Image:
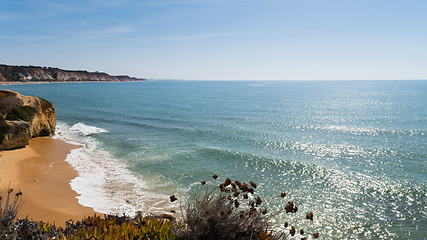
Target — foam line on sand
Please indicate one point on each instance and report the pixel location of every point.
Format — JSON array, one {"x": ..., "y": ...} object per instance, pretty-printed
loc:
[{"x": 42, "y": 174}]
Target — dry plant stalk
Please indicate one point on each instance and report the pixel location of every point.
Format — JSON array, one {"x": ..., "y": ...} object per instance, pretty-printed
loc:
[{"x": 9, "y": 209}]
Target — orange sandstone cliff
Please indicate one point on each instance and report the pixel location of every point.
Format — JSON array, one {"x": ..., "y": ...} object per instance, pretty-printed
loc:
[
  {"x": 22, "y": 118},
  {"x": 47, "y": 74}
]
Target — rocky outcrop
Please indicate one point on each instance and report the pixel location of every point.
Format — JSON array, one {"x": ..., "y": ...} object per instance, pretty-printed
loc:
[
  {"x": 47, "y": 74},
  {"x": 22, "y": 118},
  {"x": 2, "y": 78}
]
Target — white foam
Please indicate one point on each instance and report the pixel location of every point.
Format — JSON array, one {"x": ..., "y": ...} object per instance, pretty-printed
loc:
[
  {"x": 86, "y": 130},
  {"x": 104, "y": 182}
]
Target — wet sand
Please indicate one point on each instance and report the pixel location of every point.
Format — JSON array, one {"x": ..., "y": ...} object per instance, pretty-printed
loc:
[{"x": 42, "y": 174}]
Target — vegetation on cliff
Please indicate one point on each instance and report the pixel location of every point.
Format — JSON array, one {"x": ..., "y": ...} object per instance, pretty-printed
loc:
[
  {"x": 47, "y": 74},
  {"x": 4, "y": 128},
  {"x": 22, "y": 118}
]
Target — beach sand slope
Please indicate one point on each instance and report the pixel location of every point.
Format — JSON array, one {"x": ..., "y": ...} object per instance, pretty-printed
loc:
[{"x": 42, "y": 174}]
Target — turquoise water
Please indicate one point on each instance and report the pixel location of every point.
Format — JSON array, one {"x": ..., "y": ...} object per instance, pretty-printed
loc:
[{"x": 353, "y": 152}]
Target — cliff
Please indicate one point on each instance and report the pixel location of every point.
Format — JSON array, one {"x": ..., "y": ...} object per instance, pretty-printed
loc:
[
  {"x": 47, "y": 74},
  {"x": 22, "y": 118}
]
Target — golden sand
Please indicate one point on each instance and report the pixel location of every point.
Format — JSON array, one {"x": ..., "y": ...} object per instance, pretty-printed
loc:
[{"x": 42, "y": 174}]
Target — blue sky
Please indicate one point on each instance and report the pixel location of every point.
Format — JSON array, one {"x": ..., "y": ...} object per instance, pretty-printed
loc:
[{"x": 220, "y": 39}]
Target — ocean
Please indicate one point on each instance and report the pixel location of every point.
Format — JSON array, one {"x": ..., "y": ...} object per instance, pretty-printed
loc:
[{"x": 352, "y": 152}]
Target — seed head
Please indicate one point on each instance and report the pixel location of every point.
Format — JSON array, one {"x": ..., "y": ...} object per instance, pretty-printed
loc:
[
  {"x": 229, "y": 211},
  {"x": 214, "y": 176},
  {"x": 244, "y": 187},
  {"x": 283, "y": 194},
  {"x": 301, "y": 231},
  {"x": 291, "y": 208},
  {"x": 264, "y": 211},
  {"x": 253, "y": 184},
  {"x": 227, "y": 182},
  {"x": 245, "y": 196},
  {"x": 315, "y": 235},
  {"x": 309, "y": 216},
  {"x": 236, "y": 203},
  {"x": 258, "y": 201},
  {"x": 292, "y": 231},
  {"x": 203, "y": 182},
  {"x": 286, "y": 224},
  {"x": 173, "y": 198}
]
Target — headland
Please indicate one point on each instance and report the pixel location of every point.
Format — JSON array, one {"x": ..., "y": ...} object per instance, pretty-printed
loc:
[{"x": 36, "y": 74}]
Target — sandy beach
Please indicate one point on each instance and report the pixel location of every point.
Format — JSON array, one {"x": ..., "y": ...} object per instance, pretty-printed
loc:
[{"x": 42, "y": 174}]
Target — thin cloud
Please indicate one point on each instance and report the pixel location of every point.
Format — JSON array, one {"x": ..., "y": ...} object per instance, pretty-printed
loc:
[
  {"x": 108, "y": 31},
  {"x": 120, "y": 38},
  {"x": 28, "y": 37},
  {"x": 183, "y": 2},
  {"x": 188, "y": 37},
  {"x": 204, "y": 36}
]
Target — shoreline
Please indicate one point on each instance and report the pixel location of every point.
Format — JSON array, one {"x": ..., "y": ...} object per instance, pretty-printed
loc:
[
  {"x": 42, "y": 173},
  {"x": 43, "y": 82}
]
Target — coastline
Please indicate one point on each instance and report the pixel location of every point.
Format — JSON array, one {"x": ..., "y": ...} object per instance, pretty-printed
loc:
[
  {"x": 42, "y": 174},
  {"x": 43, "y": 82}
]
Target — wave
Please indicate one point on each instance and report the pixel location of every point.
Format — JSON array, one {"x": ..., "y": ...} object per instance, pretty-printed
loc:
[
  {"x": 104, "y": 182},
  {"x": 86, "y": 130}
]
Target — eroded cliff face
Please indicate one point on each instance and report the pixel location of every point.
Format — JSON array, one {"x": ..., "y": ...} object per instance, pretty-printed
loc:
[
  {"x": 44, "y": 74},
  {"x": 22, "y": 118}
]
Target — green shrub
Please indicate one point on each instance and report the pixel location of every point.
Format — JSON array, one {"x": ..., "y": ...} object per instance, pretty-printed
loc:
[
  {"x": 12, "y": 76},
  {"x": 4, "y": 127},
  {"x": 113, "y": 227},
  {"x": 20, "y": 113},
  {"x": 3, "y": 95}
]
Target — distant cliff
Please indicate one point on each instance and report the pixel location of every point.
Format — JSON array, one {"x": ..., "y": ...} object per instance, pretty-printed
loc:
[
  {"x": 47, "y": 74},
  {"x": 22, "y": 118}
]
